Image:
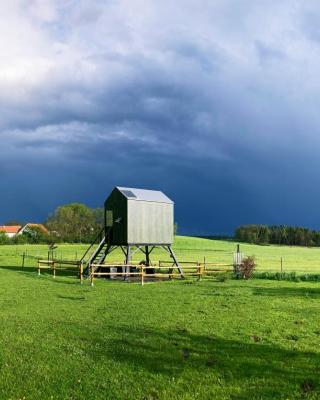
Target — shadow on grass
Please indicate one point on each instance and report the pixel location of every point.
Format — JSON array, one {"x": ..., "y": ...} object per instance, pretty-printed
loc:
[
  {"x": 18, "y": 268},
  {"x": 74, "y": 298},
  {"x": 256, "y": 370},
  {"x": 32, "y": 273},
  {"x": 287, "y": 292},
  {"x": 65, "y": 271}
]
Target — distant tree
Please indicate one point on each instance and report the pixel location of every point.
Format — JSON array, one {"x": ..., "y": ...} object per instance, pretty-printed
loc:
[
  {"x": 74, "y": 222},
  {"x": 33, "y": 234},
  {"x": 13, "y": 222},
  {"x": 4, "y": 238},
  {"x": 19, "y": 239},
  {"x": 99, "y": 217},
  {"x": 282, "y": 234},
  {"x": 263, "y": 234},
  {"x": 248, "y": 233}
]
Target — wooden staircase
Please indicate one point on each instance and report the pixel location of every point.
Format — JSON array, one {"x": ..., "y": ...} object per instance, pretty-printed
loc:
[{"x": 99, "y": 254}]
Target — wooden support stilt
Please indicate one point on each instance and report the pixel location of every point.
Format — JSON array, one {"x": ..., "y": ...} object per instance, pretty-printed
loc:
[
  {"x": 147, "y": 256},
  {"x": 199, "y": 271},
  {"x": 128, "y": 262},
  {"x": 175, "y": 261}
]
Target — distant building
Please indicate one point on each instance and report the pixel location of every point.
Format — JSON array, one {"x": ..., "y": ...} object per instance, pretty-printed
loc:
[
  {"x": 14, "y": 230},
  {"x": 10, "y": 231},
  {"x": 26, "y": 226}
]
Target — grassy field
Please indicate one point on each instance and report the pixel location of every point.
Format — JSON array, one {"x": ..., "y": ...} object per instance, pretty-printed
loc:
[
  {"x": 299, "y": 259},
  {"x": 228, "y": 340}
]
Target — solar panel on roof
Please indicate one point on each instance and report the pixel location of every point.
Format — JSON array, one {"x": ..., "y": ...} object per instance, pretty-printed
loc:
[
  {"x": 145, "y": 195},
  {"x": 128, "y": 193}
]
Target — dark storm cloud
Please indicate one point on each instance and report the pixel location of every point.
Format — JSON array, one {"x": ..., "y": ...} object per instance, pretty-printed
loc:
[{"x": 214, "y": 103}]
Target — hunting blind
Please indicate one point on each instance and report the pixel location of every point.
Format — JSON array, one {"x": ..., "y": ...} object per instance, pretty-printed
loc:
[
  {"x": 139, "y": 217},
  {"x": 136, "y": 220}
]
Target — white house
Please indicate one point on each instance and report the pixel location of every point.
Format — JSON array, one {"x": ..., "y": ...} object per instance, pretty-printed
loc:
[
  {"x": 14, "y": 230},
  {"x": 10, "y": 231}
]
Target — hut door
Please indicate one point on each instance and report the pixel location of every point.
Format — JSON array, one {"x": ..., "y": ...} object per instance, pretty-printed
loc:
[{"x": 109, "y": 218}]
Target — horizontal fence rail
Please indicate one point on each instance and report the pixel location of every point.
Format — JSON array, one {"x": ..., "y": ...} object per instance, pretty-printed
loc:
[
  {"x": 298, "y": 260},
  {"x": 143, "y": 271},
  {"x": 52, "y": 265}
]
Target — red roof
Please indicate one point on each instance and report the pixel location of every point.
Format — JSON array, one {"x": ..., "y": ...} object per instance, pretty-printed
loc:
[
  {"x": 10, "y": 229},
  {"x": 40, "y": 226}
]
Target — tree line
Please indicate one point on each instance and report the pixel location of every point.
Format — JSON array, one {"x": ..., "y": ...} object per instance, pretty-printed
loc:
[
  {"x": 278, "y": 234},
  {"x": 71, "y": 223}
]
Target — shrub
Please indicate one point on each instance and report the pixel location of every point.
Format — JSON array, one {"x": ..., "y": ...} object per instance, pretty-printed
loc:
[
  {"x": 35, "y": 235},
  {"x": 4, "y": 238},
  {"x": 247, "y": 267},
  {"x": 19, "y": 239},
  {"x": 222, "y": 277}
]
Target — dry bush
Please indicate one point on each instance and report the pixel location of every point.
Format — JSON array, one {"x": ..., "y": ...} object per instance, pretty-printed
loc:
[{"x": 247, "y": 267}]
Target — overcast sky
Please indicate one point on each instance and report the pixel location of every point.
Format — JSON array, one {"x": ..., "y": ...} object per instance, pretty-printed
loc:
[{"x": 215, "y": 102}]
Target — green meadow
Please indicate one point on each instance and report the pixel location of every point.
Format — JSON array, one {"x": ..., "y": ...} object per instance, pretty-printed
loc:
[
  {"x": 255, "y": 339},
  {"x": 298, "y": 259}
]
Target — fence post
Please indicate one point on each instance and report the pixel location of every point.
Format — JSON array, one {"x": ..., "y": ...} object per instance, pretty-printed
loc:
[
  {"x": 281, "y": 267},
  {"x": 23, "y": 256},
  {"x": 237, "y": 260},
  {"x": 38, "y": 267},
  {"x": 142, "y": 275},
  {"x": 91, "y": 275},
  {"x": 81, "y": 273},
  {"x": 54, "y": 269}
]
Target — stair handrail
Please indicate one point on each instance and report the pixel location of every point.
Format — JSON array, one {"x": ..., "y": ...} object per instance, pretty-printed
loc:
[{"x": 92, "y": 244}]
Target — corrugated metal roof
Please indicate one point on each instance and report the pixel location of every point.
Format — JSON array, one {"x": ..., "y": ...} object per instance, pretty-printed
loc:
[{"x": 144, "y": 195}]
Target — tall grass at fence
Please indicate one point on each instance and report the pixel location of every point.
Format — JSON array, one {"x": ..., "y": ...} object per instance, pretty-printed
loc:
[{"x": 288, "y": 276}]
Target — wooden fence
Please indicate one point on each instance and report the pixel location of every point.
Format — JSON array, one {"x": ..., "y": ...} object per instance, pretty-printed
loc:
[
  {"x": 161, "y": 270},
  {"x": 53, "y": 264}
]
